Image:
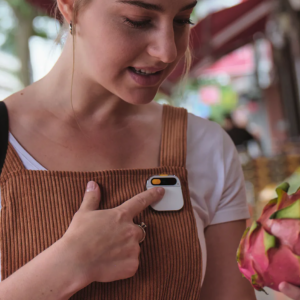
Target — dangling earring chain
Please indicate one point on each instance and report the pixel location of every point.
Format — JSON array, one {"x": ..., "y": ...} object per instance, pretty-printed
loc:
[{"x": 71, "y": 27}]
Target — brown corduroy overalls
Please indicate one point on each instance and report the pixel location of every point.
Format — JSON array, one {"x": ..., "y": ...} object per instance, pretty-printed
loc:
[{"x": 38, "y": 206}]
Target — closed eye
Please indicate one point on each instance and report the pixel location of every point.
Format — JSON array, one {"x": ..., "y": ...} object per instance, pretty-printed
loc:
[
  {"x": 143, "y": 24},
  {"x": 137, "y": 24},
  {"x": 185, "y": 22}
]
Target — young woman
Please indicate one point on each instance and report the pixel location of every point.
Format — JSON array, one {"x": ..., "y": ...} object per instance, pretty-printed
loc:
[{"x": 112, "y": 135}]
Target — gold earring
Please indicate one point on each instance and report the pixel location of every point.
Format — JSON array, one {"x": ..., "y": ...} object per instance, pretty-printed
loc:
[{"x": 71, "y": 27}]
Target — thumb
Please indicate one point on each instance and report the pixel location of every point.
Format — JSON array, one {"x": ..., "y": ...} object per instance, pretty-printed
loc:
[
  {"x": 91, "y": 199},
  {"x": 289, "y": 290}
]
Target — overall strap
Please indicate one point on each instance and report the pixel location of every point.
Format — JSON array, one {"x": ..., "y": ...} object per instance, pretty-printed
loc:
[
  {"x": 174, "y": 135},
  {"x": 3, "y": 133}
]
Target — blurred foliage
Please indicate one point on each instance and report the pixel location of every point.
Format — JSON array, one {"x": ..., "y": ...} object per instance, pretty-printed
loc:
[
  {"x": 17, "y": 26},
  {"x": 228, "y": 100},
  {"x": 11, "y": 11},
  {"x": 8, "y": 24},
  {"x": 23, "y": 8}
]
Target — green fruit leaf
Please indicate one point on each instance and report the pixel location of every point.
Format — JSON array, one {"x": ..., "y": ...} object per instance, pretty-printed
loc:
[
  {"x": 238, "y": 255},
  {"x": 254, "y": 279},
  {"x": 239, "y": 250},
  {"x": 253, "y": 227},
  {"x": 270, "y": 204},
  {"x": 245, "y": 232},
  {"x": 290, "y": 212},
  {"x": 281, "y": 192},
  {"x": 283, "y": 187},
  {"x": 269, "y": 241}
]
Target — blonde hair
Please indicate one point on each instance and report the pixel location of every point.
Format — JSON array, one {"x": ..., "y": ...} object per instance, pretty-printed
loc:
[
  {"x": 187, "y": 64},
  {"x": 78, "y": 4}
]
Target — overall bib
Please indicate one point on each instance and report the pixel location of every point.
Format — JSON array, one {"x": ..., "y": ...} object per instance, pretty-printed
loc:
[{"x": 38, "y": 206}]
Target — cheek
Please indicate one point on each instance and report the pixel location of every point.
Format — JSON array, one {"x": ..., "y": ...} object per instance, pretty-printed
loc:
[
  {"x": 100, "y": 50},
  {"x": 182, "y": 43}
]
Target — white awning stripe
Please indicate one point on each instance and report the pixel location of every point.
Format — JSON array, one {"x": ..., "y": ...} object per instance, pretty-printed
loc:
[{"x": 242, "y": 23}]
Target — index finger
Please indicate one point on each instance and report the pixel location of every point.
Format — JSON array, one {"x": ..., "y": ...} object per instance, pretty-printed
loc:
[{"x": 140, "y": 202}]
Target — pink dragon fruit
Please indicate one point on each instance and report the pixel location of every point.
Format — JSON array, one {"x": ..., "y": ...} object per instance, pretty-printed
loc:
[{"x": 269, "y": 251}]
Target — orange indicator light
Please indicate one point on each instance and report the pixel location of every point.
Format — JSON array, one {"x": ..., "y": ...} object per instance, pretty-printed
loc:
[{"x": 156, "y": 181}]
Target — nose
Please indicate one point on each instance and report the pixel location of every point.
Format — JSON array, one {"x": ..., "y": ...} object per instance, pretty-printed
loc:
[{"x": 163, "y": 46}]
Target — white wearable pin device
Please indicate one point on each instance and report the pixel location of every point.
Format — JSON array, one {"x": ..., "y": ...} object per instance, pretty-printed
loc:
[{"x": 173, "y": 198}]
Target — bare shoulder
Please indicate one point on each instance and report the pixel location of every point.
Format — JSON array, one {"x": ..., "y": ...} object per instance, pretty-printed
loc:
[
  {"x": 23, "y": 111},
  {"x": 20, "y": 102},
  {"x": 13, "y": 101}
]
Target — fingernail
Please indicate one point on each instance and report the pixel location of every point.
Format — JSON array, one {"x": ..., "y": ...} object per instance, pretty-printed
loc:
[
  {"x": 91, "y": 186},
  {"x": 160, "y": 191}
]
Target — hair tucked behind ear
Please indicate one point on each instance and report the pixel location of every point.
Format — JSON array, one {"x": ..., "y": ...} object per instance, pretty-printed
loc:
[
  {"x": 77, "y": 5},
  {"x": 185, "y": 76},
  {"x": 187, "y": 63}
]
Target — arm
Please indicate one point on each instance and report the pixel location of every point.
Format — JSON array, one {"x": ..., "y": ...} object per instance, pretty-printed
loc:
[
  {"x": 223, "y": 281},
  {"x": 86, "y": 253},
  {"x": 50, "y": 275}
]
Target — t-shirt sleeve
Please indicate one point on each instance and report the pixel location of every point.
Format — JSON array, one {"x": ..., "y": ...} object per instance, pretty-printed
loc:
[{"x": 232, "y": 205}]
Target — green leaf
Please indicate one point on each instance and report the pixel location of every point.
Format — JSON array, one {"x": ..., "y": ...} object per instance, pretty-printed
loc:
[
  {"x": 269, "y": 241},
  {"x": 238, "y": 253},
  {"x": 256, "y": 285},
  {"x": 283, "y": 187},
  {"x": 281, "y": 192},
  {"x": 290, "y": 212},
  {"x": 253, "y": 227},
  {"x": 270, "y": 204}
]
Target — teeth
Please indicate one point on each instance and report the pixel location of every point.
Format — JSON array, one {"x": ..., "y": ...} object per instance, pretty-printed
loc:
[{"x": 144, "y": 72}]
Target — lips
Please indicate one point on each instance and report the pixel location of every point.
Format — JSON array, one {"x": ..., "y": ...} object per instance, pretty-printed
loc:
[
  {"x": 145, "y": 70},
  {"x": 142, "y": 71},
  {"x": 146, "y": 76}
]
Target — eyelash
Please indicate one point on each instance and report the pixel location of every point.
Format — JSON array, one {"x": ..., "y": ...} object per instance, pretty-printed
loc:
[{"x": 143, "y": 24}]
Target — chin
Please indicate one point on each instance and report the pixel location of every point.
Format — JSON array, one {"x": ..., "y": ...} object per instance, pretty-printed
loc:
[{"x": 140, "y": 96}]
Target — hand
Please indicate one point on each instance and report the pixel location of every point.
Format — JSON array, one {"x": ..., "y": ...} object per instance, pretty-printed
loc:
[
  {"x": 290, "y": 290},
  {"x": 104, "y": 244}
]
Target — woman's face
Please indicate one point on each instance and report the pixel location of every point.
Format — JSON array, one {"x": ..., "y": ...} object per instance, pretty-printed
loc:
[{"x": 129, "y": 47}]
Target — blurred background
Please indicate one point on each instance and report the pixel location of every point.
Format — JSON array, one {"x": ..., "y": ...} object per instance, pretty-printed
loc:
[{"x": 245, "y": 75}]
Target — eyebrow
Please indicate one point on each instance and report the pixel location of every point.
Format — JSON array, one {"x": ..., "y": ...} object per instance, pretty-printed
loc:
[{"x": 155, "y": 7}]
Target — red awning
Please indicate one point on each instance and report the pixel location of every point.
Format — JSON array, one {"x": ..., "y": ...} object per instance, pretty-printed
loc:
[{"x": 222, "y": 32}]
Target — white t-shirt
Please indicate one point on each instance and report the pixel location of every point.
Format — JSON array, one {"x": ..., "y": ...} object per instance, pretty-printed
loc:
[{"x": 215, "y": 177}]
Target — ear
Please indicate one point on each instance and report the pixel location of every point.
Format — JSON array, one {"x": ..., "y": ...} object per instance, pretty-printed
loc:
[{"x": 66, "y": 8}]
